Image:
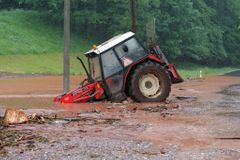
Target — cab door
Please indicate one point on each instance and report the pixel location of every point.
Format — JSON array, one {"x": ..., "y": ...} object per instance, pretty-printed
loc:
[{"x": 112, "y": 73}]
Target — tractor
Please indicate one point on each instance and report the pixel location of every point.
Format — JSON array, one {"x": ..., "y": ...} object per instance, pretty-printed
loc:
[{"x": 121, "y": 67}]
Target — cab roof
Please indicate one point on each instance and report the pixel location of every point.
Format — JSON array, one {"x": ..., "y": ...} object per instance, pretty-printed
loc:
[{"x": 111, "y": 43}]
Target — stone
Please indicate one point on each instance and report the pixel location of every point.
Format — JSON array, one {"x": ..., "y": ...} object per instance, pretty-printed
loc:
[
  {"x": 34, "y": 116},
  {"x": 14, "y": 116},
  {"x": 125, "y": 102}
]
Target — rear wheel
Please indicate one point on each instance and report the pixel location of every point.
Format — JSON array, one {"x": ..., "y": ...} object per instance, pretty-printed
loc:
[{"x": 149, "y": 83}]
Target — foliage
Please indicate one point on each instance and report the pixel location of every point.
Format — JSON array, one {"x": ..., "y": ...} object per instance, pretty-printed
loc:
[
  {"x": 200, "y": 31},
  {"x": 9, "y": 4}
]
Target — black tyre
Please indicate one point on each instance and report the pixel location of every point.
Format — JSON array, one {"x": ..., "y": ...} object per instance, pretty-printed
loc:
[{"x": 149, "y": 82}]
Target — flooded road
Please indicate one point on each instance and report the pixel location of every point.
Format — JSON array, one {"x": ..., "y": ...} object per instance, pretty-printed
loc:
[{"x": 203, "y": 127}]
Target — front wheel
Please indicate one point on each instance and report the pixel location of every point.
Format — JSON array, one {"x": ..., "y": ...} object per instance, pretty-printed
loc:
[{"x": 149, "y": 83}]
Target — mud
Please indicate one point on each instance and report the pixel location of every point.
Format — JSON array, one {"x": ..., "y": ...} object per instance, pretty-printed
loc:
[
  {"x": 205, "y": 127},
  {"x": 7, "y": 75}
]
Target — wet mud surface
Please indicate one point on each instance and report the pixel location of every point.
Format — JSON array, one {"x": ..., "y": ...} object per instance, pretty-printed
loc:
[
  {"x": 7, "y": 75},
  {"x": 200, "y": 120}
]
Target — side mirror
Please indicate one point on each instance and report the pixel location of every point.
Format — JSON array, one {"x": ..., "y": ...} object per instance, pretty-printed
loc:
[{"x": 125, "y": 48}]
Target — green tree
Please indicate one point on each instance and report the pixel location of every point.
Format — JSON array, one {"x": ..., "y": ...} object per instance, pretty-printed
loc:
[{"x": 202, "y": 31}]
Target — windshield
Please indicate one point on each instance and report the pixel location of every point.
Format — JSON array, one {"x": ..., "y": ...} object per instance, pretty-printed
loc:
[
  {"x": 95, "y": 69},
  {"x": 130, "y": 51}
]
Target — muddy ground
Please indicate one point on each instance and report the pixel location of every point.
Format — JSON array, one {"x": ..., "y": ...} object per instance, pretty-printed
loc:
[{"x": 200, "y": 120}]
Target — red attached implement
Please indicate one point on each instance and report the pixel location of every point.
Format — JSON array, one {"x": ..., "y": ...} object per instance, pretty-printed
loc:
[{"x": 82, "y": 94}]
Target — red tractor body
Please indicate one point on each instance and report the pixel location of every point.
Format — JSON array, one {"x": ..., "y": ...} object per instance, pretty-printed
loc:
[{"x": 122, "y": 67}]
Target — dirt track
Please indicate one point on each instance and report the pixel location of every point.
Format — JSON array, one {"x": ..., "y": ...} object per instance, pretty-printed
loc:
[{"x": 206, "y": 126}]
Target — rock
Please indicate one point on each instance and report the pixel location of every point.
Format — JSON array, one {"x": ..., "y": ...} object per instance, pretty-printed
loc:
[
  {"x": 14, "y": 116},
  {"x": 125, "y": 102},
  {"x": 172, "y": 106},
  {"x": 96, "y": 111},
  {"x": 34, "y": 116},
  {"x": 42, "y": 119}
]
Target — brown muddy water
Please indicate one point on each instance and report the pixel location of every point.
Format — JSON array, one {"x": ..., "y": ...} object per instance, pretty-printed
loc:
[{"x": 203, "y": 127}]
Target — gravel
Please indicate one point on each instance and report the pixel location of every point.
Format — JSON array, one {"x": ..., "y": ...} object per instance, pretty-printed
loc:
[{"x": 95, "y": 148}]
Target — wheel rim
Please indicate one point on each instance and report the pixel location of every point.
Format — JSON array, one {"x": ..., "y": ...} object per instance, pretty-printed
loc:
[{"x": 150, "y": 86}]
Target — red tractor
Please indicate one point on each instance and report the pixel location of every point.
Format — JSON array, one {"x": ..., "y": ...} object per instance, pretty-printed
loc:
[{"x": 122, "y": 67}]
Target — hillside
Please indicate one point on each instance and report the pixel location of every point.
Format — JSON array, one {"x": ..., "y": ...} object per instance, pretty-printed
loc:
[
  {"x": 30, "y": 44},
  {"x": 24, "y": 32}
]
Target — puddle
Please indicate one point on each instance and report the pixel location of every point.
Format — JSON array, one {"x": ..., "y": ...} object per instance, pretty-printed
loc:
[
  {"x": 85, "y": 119},
  {"x": 60, "y": 121},
  {"x": 161, "y": 109},
  {"x": 233, "y": 90},
  {"x": 187, "y": 98},
  {"x": 230, "y": 114}
]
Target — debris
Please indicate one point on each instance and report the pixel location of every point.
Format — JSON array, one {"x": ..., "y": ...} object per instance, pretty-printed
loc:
[
  {"x": 155, "y": 108},
  {"x": 96, "y": 111},
  {"x": 195, "y": 79},
  {"x": 94, "y": 156},
  {"x": 34, "y": 115},
  {"x": 125, "y": 102},
  {"x": 14, "y": 116},
  {"x": 42, "y": 119},
  {"x": 181, "y": 89},
  {"x": 68, "y": 147},
  {"x": 187, "y": 98},
  {"x": 97, "y": 130},
  {"x": 12, "y": 138},
  {"x": 162, "y": 151},
  {"x": 60, "y": 121},
  {"x": 109, "y": 107},
  {"x": 63, "y": 114},
  {"x": 82, "y": 131},
  {"x": 34, "y": 118},
  {"x": 172, "y": 106},
  {"x": 3, "y": 152},
  {"x": 229, "y": 138}
]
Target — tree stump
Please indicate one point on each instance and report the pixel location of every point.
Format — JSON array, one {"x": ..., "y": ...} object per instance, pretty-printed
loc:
[{"x": 14, "y": 116}]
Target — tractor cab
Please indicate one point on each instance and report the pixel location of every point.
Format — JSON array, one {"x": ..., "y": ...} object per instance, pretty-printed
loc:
[
  {"x": 122, "y": 67},
  {"x": 109, "y": 62}
]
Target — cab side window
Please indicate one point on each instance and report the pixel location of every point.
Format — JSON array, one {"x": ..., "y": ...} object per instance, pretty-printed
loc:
[
  {"x": 110, "y": 64},
  {"x": 130, "y": 51}
]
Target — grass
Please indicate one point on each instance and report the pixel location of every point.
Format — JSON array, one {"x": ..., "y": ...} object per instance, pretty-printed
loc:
[
  {"x": 53, "y": 64},
  {"x": 29, "y": 32},
  {"x": 38, "y": 63},
  {"x": 206, "y": 71},
  {"x": 187, "y": 69},
  {"x": 29, "y": 43}
]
